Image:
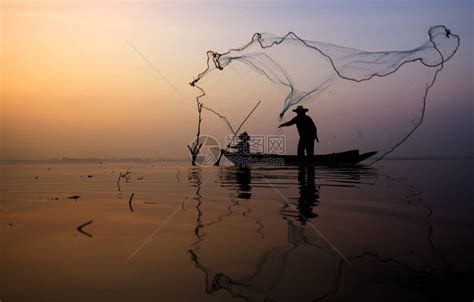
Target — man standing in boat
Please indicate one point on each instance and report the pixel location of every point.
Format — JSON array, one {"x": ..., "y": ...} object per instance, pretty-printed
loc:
[{"x": 306, "y": 129}]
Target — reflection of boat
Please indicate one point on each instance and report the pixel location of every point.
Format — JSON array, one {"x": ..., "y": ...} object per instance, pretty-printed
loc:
[
  {"x": 350, "y": 157},
  {"x": 238, "y": 179}
]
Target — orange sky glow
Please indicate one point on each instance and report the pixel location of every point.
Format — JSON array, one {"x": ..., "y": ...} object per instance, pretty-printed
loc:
[{"x": 71, "y": 86}]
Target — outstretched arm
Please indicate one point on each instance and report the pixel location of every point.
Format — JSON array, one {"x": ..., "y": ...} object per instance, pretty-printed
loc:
[{"x": 289, "y": 123}]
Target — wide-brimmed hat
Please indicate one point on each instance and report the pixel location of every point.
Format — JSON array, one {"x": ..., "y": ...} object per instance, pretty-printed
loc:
[{"x": 300, "y": 109}]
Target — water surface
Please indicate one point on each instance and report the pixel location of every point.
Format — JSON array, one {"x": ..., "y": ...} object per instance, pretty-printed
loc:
[{"x": 399, "y": 231}]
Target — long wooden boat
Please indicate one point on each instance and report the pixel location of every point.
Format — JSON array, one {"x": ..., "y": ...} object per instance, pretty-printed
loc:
[{"x": 351, "y": 157}]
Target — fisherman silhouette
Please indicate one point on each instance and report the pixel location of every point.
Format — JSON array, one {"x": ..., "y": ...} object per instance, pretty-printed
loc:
[
  {"x": 243, "y": 146},
  {"x": 306, "y": 129}
]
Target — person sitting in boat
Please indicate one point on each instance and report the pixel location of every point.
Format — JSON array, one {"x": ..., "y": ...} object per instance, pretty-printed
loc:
[
  {"x": 306, "y": 129},
  {"x": 243, "y": 146}
]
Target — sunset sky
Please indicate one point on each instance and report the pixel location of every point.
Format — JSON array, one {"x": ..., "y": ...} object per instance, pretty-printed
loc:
[{"x": 71, "y": 85}]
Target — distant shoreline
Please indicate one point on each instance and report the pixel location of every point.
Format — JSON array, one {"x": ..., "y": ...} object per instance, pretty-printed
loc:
[
  {"x": 88, "y": 161},
  {"x": 160, "y": 160}
]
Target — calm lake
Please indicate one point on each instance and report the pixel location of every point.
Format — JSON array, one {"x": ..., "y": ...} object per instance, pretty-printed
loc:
[{"x": 401, "y": 230}]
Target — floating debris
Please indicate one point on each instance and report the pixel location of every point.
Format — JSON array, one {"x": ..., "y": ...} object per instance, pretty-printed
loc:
[
  {"x": 89, "y": 176},
  {"x": 124, "y": 175},
  {"x": 140, "y": 178},
  {"x": 130, "y": 202},
  {"x": 75, "y": 197},
  {"x": 79, "y": 228}
]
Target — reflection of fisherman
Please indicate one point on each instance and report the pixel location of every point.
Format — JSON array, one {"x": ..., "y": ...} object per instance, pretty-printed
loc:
[
  {"x": 306, "y": 129},
  {"x": 243, "y": 146},
  {"x": 309, "y": 193}
]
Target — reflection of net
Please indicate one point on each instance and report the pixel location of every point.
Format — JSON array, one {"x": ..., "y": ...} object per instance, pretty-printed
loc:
[
  {"x": 258, "y": 285},
  {"x": 273, "y": 57},
  {"x": 367, "y": 270},
  {"x": 254, "y": 287}
]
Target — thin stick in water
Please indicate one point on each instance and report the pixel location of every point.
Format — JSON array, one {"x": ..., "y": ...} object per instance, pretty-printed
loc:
[
  {"x": 118, "y": 181},
  {"x": 130, "y": 202},
  {"x": 79, "y": 228}
]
